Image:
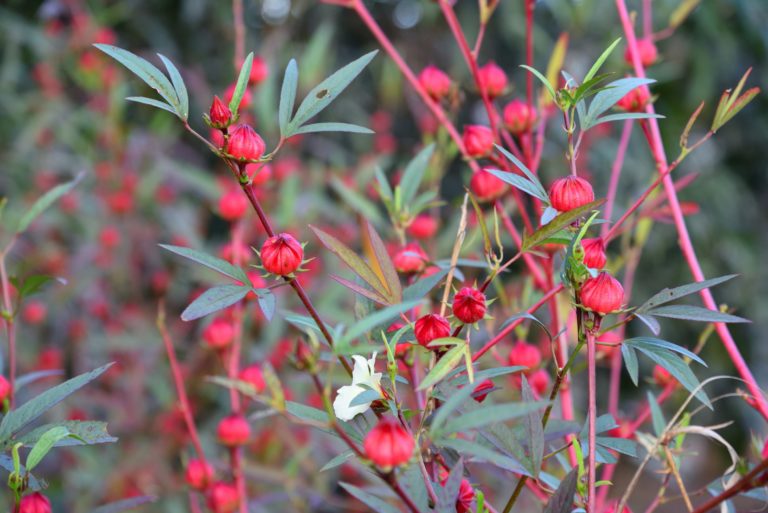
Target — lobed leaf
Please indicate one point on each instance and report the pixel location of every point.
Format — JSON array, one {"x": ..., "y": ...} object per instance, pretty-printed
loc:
[{"x": 562, "y": 500}]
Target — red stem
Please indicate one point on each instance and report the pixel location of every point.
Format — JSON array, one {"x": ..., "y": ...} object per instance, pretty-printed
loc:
[
  {"x": 684, "y": 239},
  {"x": 10, "y": 325}
]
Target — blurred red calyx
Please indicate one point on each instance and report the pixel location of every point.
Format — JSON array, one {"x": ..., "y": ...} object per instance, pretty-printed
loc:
[
  {"x": 519, "y": 117},
  {"x": 478, "y": 140},
  {"x": 431, "y": 327},
  {"x": 435, "y": 82},
  {"x": 388, "y": 444},
  {"x": 233, "y": 430},
  {"x": 198, "y": 474}
]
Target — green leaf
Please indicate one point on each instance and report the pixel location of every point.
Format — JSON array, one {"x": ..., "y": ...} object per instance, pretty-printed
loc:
[
  {"x": 125, "y": 504},
  {"x": 211, "y": 262},
  {"x": 19, "y": 418},
  {"x": 178, "y": 86},
  {"x": 526, "y": 315},
  {"x": 422, "y": 287},
  {"x": 608, "y": 97},
  {"x": 558, "y": 223},
  {"x": 380, "y": 262},
  {"x": 339, "y": 459},
  {"x": 455, "y": 399},
  {"x": 33, "y": 284},
  {"x": 667, "y": 295},
  {"x": 443, "y": 366},
  {"x": 694, "y": 313},
  {"x": 152, "y": 103},
  {"x": 600, "y": 61},
  {"x": 491, "y": 413},
  {"x": 369, "y": 500},
  {"x": 527, "y": 172},
  {"x": 449, "y": 491},
  {"x": 414, "y": 173},
  {"x": 143, "y": 69},
  {"x": 533, "y": 430},
  {"x": 31, "y": 377},
  {"x": 85, "y": 432},
  {"x": 44, "y": 444},
  {"x": 624, "y": 116},
  {"x": 365, "y": 397},
  {"x": 332, "y": 127},
  {"x": 630, "y": 362},
  {"x": 518, "y": 182},
  {"x": 483, "y": 453},
  {"x": 326, "y": 91},
  {"x": 45, "y": 201},
  {"x": 542, "y": 79},
  {"x": 377, "y": 318},
  {"x": 242, "y": 84},
  {"x": 657, "y": 417},
  {"x": 267, "y": 303},
  {"x": 213, "y": 300},
  {"x": 562, "y": 500},
  {"x": 489, "y": 373},
  {"x": 659, "y": 344},
  {"x": 359, "y": 289},
  {"x": 352, "y": 261},
  {"x": 288, "y": 96}
]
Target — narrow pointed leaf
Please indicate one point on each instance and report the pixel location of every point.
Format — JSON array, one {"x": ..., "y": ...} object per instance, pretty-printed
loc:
[
  {"x": 518, "y": 182},
  {"x": 44, "y": 444},
  {"x": 45, "y": 201},
  {"x": 373, "y": 502},
  {"x": 152, "y": 103},
  {"x": 19, "y": 418},
  {"x": 332, "y": 127},
  {"x": 374, "y": 320},
  {"x": 600, "y": 61},
  {"x": 359, "y": 289},
  {"x": 211, "y": 262},
  {"x": 492, "y": 413},
  {"x": 380, "y": 262},
  {"x": 527, "y": 172},
  {"x": 288, "y": 96},
  {"x": 694, "y": 313},
  {"x": 178, "y": 86},
  {"x": 241, "y": 85},
  {"x": 352, "y": 261},
  {"x": 267, "y": 303},
  {"x": 414, "y": 173},
  {"x": 213, "y": 300},
  {"x": 143, "y": 69},
  {"x": 542, "y": 79},
  {"x": 328, "y": 90},
  {"x": 557, "y": 224},
  {"x": 483, "y": 453},
  {"x": 667, "y": 295},
  {"x": 562, "y": 500},
  {"x": 422, "y": 287},
  {"x": 443, "y": 366}
]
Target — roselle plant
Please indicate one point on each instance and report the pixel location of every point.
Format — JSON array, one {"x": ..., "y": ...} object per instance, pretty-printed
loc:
[{"x": 451, "y": 360}]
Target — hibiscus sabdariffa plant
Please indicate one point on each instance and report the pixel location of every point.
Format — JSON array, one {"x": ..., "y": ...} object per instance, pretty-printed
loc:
[{"x": 425, "y": 416}]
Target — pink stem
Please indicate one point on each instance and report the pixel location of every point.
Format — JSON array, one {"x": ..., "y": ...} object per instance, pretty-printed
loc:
[
  {"x": 10, "y": 325},
  {"x": 618, "y": 164},
  {"x": 592, "y": 416},
  {"x": 657, "y": 148}
]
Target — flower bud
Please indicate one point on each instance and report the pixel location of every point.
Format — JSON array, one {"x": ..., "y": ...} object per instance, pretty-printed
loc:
[
  {"x": 526, "y": 355},
  {"x": 423, "y": 226},
  {"x": 388, "y": 444},
  {"x": 492, "y": 79},
  {"x": 35, "y": 502},
  {"x": 254, "y": 377},
  {"x": 486, "y": 187},
  {"x": 478, "y": 140},
  {"x": 635, "y": 100},
  {"x": 233, "y": 430},
  {"x": 410, "y": 259},
  {"x": 220, "y": 115},
  {"x": 198, "y": 474},
  {"x": 602, "y": 295},
  {"x": 233, "y": 205},
  {"x": 647, "y": 50},
  {"x": 539, "y": 382},
  {"x": 482, "y": 390},
  {"x": 469, "y": 305},
  {"x": 435, "y": 82},
  {"x": 282, "y": 254},
  {"x": 245, "y": 144},
  {"x": 431, "y": 327},
  {"x": 223, "y": 498},
  {"x": 570, "y": 192},
  {"x": 594, "y": 253},
  {"x": 518, "y": 117},
  {"x": 219, "y": 333}
]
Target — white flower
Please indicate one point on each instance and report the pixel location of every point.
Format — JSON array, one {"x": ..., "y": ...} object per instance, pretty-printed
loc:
[{"x": 362, "y": 374}]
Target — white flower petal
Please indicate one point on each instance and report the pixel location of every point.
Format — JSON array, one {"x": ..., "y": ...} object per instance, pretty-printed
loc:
[{"x": 341, "y": 405}]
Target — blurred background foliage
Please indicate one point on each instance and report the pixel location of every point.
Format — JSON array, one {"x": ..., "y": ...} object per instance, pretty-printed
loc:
[{"x": 146, "y": 181}]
